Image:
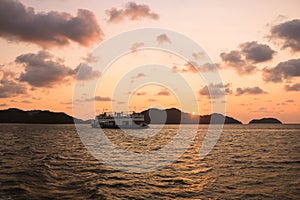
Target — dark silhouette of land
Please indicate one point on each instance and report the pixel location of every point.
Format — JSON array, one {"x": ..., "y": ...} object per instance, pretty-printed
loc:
[
  {"x": 14, "y": 115},
  {"x": 175, "y": 116},
  {"x": 152, "y": 116},
  {"x": 265, "y": 121}
]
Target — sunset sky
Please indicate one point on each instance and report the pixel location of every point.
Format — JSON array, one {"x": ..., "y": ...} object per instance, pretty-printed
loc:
[{"x": 254, "y": 44}]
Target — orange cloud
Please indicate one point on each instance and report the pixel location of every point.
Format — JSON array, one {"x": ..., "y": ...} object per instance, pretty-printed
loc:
[{"x": 163, "y": 92}]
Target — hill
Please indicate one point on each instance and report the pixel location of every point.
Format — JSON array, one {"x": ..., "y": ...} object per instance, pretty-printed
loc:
[
  {"x": 152, "y": 115},
  {"x": 14, "y": 115},
  {"x": 265, "y": 121},
  {"x": 175, "y": 116}
]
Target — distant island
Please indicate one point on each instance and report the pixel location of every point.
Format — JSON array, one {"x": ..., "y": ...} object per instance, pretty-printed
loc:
[
  {"x": 14, "y": 115},
  {"x": 152, "y": 116},
  {"x": 265, "y": 121},
  {"x": 172, "y": 116},
  {"x": 175, "y": 116}
]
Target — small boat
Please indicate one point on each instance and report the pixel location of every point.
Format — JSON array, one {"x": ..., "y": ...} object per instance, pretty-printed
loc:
[{"x": 120, "y": 120}]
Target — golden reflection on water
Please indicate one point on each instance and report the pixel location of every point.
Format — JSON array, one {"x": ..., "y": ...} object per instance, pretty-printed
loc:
[{"x": 248, "y": 162}]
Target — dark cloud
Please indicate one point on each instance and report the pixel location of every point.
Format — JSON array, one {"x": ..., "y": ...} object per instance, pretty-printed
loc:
[
  {"x": 256, "y": 52},
  {"x": 41, "y": 70},
  {"x": 249, "y": 90},
  {"x": 44, "y": 70},
  {"x": 250, "y": 53},
  {"x": 163, "y": 38},
  {"x": 234, "y": 60},
  {"x": 3, "y": 104},
  {"x": 215, "y": 91},
  {"x": 132, "y": 11},
  {"x": 233, "y": 57},
  {"x": 20, "y": 23},
  {"x": 8, "y": 86},
  {"x": 86, "y": 72},
  {"x": 295, "y": 87},
  {"x": 289, "y": 33},
  {"x": 284, "y": 70}
]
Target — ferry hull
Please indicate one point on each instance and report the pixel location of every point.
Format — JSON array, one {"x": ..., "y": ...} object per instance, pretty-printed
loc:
[
  {"x": 120, "y": 127},
  {"x": 124, "y": 127}
]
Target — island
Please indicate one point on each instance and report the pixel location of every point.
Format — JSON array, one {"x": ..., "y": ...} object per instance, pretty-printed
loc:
[
  {"x": 152, "y": 116},
  {"x": 175, "y": 116},
  {"x": 269, "y": 120},
  {"x": 15, "y": 115}
]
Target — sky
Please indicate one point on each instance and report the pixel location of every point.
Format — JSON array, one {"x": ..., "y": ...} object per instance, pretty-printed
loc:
[{"x": 49, "y": 52}]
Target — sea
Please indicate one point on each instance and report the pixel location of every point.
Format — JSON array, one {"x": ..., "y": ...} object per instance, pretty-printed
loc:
[{"x": 258, "y": 161}]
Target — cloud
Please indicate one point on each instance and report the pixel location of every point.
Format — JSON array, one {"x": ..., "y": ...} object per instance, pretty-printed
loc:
[
  {"x": 48, "y": 29},
  {"x": 90, "y": 58},
  {"x": 163, "y": 38},
  {"x": 215, "y": 91},
  {"x": 256, "y": 52},
  {"x": 193, "y": 67},
  {"x": 284, "y": 70},
  {"x": 86, "y": 72},
  {"x": 132, "y": 11},
  {"x": 295, "y": 87},
  {"x": 234, "y": 60},
  {"x": 289, "y": 33},
  {"x": 208, "y": 67},
  {"x": 26, "y": 101},
  {"x": 8, "y": 86},
  {"x": 233, "y": 57},
  {"x": 3, "y": 104},
  {"x": 41, "y": 70},
  {"x": 136, "y": 45},
  {"x": 249, "y": 90},
  {"x": 152, "y": 100},
  {"x": 289, "y": 101},
  {"x": 198, "y": 55},
  {"x": 140, "y": 93},
  {"x": 98, "y": 98},
  {"x": 139, "y": 75},
  {"x": 250, "y": 53},
  {"x": 163, "y": 92},
  {"x": 67, "y": 103}
]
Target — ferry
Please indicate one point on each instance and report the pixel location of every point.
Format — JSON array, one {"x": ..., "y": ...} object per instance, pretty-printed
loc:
[{"x": 122, "y": 120}]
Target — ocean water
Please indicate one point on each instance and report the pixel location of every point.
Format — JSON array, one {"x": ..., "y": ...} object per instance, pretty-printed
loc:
[{"x": 248, "y": 162}]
